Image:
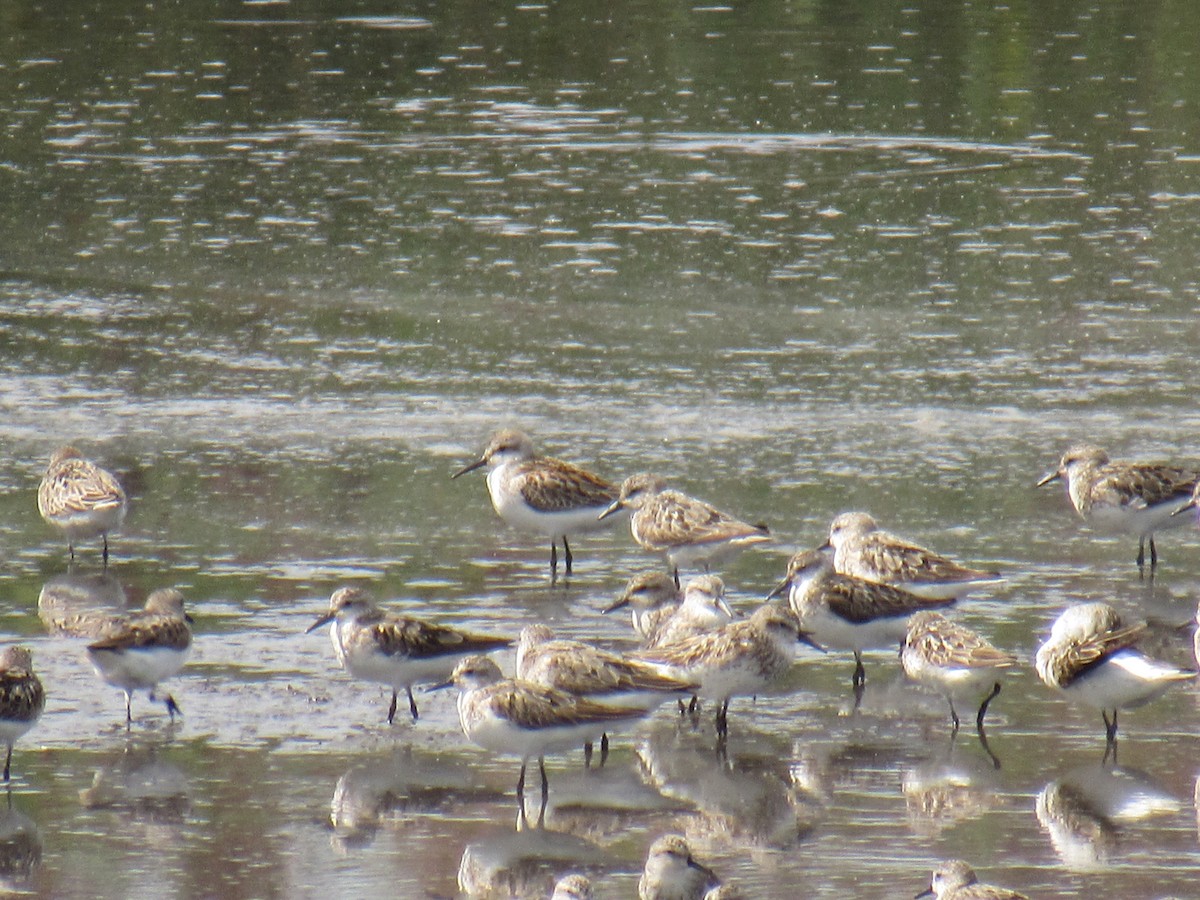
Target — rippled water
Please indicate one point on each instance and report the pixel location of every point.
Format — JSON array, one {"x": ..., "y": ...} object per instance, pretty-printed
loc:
[{"x": 284, "y": 266}]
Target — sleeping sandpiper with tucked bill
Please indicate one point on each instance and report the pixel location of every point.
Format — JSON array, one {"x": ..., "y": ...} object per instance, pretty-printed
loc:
[
  {"x": 1124, "y": 497},
  {"x": 848, "y": 613},
  {"x": 507, "y": 715},
  {"x": 862, "y": 549},
  {"x": 80, "y": 498},
  {"x": 954, "y": 661},
  {"x": 541, "y": 494},
  {"x": 22, "y": 698},
  {"x": 687, "y": 531},
  {"x": 139, "y": 650},
  {"x": 1092, "y": 659},
  {"x": 583, "y": 670},
  {"x": 398, "y": 651}
]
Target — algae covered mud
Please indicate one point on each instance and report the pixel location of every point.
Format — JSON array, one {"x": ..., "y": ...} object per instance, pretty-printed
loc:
[{"x": 283, "y": 268}]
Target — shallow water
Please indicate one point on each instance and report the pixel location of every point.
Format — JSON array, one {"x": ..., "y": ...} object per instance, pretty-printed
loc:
[{"x": 284, "y": 266}]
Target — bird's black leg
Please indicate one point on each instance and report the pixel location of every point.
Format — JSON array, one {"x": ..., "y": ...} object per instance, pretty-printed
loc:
[
  {"x": 553, "y": 561},
  {"x": 983, "y": 707},
  {"x": 392, "y": 708},
  {"x": 954, "y": 717},
  {"x": 567, "y": 554},
  {"x": 8, "y": 762},
  {"x": 541, "y": 819},
  {"x": 1141, "y": 560},
  {"x": 1110, "y": 728},
  {"x": 603, "y": 749},
  {"x": 587, "y": 755},
  {"x": 106, "y": 551},
  {"x": 173, "y": 707},
  {"x": 128, "y": 710},
  {"x": 412, "y": 703},
  {"x": 1153, "y": 553},
  {"x": 677, "y": 578},
  {"x": 860, "y": 674}
]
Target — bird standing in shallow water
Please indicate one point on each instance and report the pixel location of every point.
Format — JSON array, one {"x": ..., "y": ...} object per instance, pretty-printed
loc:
[
  {"x": 80, "y": 498},
  {"x": 1123, "y": 497},
  {"x": 541, "y": 494},
  {"x": 398, "y": 651},
  {"x": 22, "y": 698},
  {"x": 140, "y": 650},
  {"x": 687, "y": 531}
]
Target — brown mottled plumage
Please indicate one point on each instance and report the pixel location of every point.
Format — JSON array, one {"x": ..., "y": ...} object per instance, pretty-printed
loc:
[
  {"x": 80, "y": 498},
  {"x": 22, "y": 698}
]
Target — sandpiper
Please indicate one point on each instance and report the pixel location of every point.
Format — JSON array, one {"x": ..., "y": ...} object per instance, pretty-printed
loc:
[
  {"x": 954, "y": 661},
  {"x": 652, "y": 598},
  {"x": 508, "y": 715},
  {"x": 540, "y": 493},
  {"x": 1090, "y": 657},
  {"x": 704, "y": 609},
  {"x": 80, "y": 498},
  {"x": 142, "y": 649},
  {"x": 687, "y": 531},
  {"x": 741, "y": 658},
  {"x": 861, "y": 548},
  {"x": 955, "y": 880},
  {"x": 585, "y": 671},
  {"x": 845, "y": 612},
  {"x": 1124, "y": 497},
  {"x": 672, "y": 873},
  {"x": 572, "y": 887},
  {"x": 398, "y": 651},
  {"x": 21, "y": 698}
]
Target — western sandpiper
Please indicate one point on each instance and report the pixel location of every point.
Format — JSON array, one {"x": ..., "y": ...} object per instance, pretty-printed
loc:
[
  {"x": 142, "y": 649},
  {"x": 21, "y": 698},
  {"x": 672, "y": 873},
  {"x": 740, "y": 658},
  {"x": 1124, "y": 497},
  {"x": 954, "y": 661},
  {"x": 704, "y": 609},
  {"x": 80, "y": 498},
  {"x": 398, "y": 651},
  {"x": 845, "y": 612},
  {"x": 687, "y": 531},
  {"x": 541, "y": 494},
  {"x": 955, "y": 880},
  {"x": 652, "y": 598},
  {"x": 582, "y": 670},
  {"x": 1090, "y": 657},
  {"x": 572, "y": 887},
  {"x": 508, "y": 715},
  {"x": 861, "y": 548}
]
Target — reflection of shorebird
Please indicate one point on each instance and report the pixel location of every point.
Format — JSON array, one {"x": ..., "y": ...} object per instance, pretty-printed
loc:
[
  {"x": 506, "y": 715},
  {"x": 1082, "y": 812},
  {"x": 21, "y": 698},
  {"x": 541, "y": 494},
  {"x": 861, "y": 548},
  {"x": 80, "y": 498},
  {"x": 1122, "y": 497},
  {"x": 82, "y": 605},
  {"x": 672, "y": 873},
  {"x": 142, "y": 649},
  {"x": 522, "y": 863},
  {"x": 398, "y": 651},
  {"x": 687, "y": 531},
  {"x": 845, "y": 612},
  {"x": 572, "y": 887},
  {"x": 956, "y": 880},
  {"x": 140, "y": 783},
  {"x": 1090, "y": 657},
  {"x": 941, "y": 794},
  {"x": 741, "y": 658},
  {"x": 20, "y": 850},
  {"x": 954, "y": 661},
  {"x": 586, "y": 671}
]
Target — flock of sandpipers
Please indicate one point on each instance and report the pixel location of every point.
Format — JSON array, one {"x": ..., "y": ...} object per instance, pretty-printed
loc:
[{"x": 864, "y": 589}]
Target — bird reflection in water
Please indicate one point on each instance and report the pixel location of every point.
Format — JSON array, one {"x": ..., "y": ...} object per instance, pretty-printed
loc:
[
  {"x": 743, "y": 800},
  {"x": 82, "y": 606},
  {"x": 20, "y": 849},
  {"x": 141, "y": 785},
  {"x": 946, "y": 791},
  {"x": 525, "y": 862},
  {"x": 374, "y": 795},
  {"x": 1084, "y": 812}
]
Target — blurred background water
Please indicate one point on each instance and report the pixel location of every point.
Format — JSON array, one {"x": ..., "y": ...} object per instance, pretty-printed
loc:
[{"x": 283, "y": 266}]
